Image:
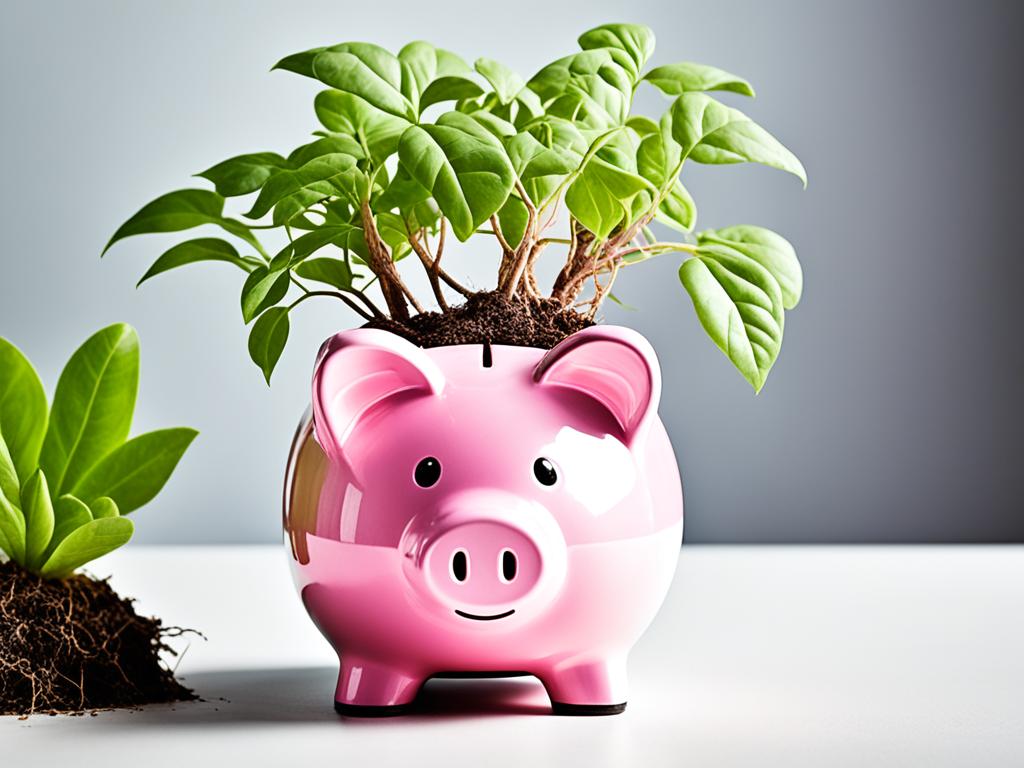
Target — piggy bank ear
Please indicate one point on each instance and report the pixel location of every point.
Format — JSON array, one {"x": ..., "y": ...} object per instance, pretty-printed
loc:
[
  {"x": 359, "y": 370},
  {"x": 614, "y": 366}
]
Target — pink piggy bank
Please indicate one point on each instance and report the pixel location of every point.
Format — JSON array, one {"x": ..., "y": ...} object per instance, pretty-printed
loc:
[{"x": 483, "y": 511}]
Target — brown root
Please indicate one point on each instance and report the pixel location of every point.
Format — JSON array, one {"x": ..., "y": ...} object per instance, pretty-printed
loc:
[{"x": 73, "y": 645}]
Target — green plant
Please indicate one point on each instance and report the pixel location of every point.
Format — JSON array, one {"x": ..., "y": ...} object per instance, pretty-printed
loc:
[
  {"x": 391, "y": 168},
  {"x": 69, "y": 473}
]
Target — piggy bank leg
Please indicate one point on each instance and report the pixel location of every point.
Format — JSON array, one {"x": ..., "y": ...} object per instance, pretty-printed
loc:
[
  {"x": 369, "y": 689},
  {"x": 587, "y": 687}
]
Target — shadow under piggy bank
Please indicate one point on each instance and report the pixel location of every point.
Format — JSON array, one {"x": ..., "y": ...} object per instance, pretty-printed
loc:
[{"x": 304, "y": 695}]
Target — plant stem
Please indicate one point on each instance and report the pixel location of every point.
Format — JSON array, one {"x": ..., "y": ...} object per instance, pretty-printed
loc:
[
  {"x": 383, "y": 267},
  {"x": 351, "y": 304}
]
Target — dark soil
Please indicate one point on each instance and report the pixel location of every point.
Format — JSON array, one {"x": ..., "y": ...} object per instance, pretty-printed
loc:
[
  {"x": 489, "y": 317},
  {"x": 74, "y": 645}
]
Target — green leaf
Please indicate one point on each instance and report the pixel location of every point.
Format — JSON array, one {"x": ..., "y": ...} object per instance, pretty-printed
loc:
[
  {"x": 194, "y": 251},
  {"x": 541, "y": 168},
  {"x": 403, "y": 193},
  {"x": 267, "y": 338},
  {"x": 262, "y": 289},
  {"x": 449, "y": 88},
  {"x": 92, "y": 407},
  {"x": 378, "y": 132},
  {"x": 38, "y": 511},
  {"x": 769, "y": 249},
  {"x": 513, "y": 218},
  {"x": 337, "y": 234},
  {"x": 10, "y": 485},
  {"x": 86, "y": 543},
  {"x": 302, "y": 63},
  {"x": 394, "y": 234},
  {"x": 643, "y": 125},
  {"x": 331, "y": 144},
  {"x": 183, "y": 209},
  {"x": 12, "y": 530},
  {"x": 657, "y": 158},
  {"x": 134, "y": 473},
  {"x": 423, "y": 65},
  {"x": 678, "y": 210},
  {"x": 301, "y": 187},
  {"x": 600, "y": 198},
  {"x": 506, "y": 83},
  {"x": 464, "y": 167},
  {"x": 686, "y": 76},
  {"x": 710, "y": 132},
  {"x": 69, "y": 514},
  {"x": 243, "y": 174},
  {"x": 590, "y": 88},
  {"x": 104, "y": 507},
  {"x": 325, "y": 270},
  {"x": 369, "y": 72},
  {"x": 23, "y": 409},
  {"x": 635, "y": 39},
  {"x": 739, "y": 304}
]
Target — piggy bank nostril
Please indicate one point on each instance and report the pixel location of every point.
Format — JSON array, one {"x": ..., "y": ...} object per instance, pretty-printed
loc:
[
  {"x": 460, "y": 565},
  {"x": 507, "y": 565}
]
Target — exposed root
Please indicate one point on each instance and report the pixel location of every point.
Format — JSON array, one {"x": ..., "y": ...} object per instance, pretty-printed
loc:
[{"x": 74, "y": 645}]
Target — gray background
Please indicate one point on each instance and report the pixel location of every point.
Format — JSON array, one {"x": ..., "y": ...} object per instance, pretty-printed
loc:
[{"x": 892, "y": 413}]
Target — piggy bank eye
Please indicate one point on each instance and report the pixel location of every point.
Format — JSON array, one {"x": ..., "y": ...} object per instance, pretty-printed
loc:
[
  {"x": 544, "y": 471},
  {"x": 428, "y": 472}
]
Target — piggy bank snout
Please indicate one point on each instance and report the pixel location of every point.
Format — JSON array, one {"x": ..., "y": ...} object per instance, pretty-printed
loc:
[{"x": 482, "y": 560}]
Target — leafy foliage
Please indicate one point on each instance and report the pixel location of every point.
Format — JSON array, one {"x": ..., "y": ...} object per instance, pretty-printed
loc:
[
  {"x": 70, "y": 473},
  {"x": 418, "y": 144}
]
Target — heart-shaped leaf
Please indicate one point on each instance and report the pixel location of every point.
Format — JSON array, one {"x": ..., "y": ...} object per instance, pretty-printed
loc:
[
  {"x": 463, "y": 165},
  {"x": 739, "y": 304},
  {"x": 134, "y": 473},
  {"x": 23, "y": 409},
  {"x": 87, "y": 542},
  {"x": 267, "y": 339},
  {"x": 92, "y": 406}
]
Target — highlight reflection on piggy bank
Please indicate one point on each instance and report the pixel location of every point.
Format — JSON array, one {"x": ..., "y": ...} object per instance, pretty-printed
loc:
[{"x": 483, "y": 510}]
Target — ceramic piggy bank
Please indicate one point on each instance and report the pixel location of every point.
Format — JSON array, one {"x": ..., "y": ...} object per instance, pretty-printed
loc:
[{"x": 483, "y": 511}]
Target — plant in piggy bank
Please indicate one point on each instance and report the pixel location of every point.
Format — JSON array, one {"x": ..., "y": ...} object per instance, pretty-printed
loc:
[{"x": 482, "y": 484}]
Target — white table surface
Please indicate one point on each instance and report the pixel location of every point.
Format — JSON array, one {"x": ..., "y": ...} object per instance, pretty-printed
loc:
[{"x": 762, "y": 656}]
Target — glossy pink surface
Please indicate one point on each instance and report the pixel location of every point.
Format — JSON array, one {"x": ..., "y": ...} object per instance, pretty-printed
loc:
[{"x": 477, "y": 562}]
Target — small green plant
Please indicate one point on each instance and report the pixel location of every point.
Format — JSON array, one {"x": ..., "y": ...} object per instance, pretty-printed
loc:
[
  {"x": 392, "y": 168},
  {"x": 69, "y": 473}
]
